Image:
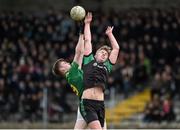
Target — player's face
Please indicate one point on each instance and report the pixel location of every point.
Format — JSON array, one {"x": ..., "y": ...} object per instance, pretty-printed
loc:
[
  {"x": 101, "y": 55},
  {"x": 64, "y": 67}
]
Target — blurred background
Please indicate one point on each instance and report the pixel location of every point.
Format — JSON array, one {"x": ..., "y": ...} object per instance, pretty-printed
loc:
[{"x": 143, "y": 88}]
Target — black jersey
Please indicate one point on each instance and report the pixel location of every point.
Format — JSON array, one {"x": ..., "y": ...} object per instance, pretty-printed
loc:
[{"x": 95, "y": 74}]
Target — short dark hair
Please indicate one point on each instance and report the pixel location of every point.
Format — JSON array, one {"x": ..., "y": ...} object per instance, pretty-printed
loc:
[{"x": 55, "y": 68}]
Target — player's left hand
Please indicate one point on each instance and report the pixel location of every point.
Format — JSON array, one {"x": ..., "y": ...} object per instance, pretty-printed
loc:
[
  {"x": 109, "y": 30},
  {"x": 88, "y": 18}
]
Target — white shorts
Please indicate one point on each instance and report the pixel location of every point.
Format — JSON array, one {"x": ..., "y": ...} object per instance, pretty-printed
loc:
[
  {"x": 80, "y": 122},
  {"x": 79, "y": 116}
]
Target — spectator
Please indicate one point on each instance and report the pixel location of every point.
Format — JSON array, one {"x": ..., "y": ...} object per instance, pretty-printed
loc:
[
  {"x": 168, "y": 110},
  {"x": 153, "y": 110}
]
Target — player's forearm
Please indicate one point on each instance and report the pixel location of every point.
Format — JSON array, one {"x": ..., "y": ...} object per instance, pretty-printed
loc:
[
  {"x": 78, "y": 58},
  {"x": 79, "y": 51},
  {"x": 113, "y": 41},
  {"x": 87, "y": 32},
  {"x": 80, "y": 45},
  {"x": 87, "y": 38},
  {"x": 115, "y": 49}
]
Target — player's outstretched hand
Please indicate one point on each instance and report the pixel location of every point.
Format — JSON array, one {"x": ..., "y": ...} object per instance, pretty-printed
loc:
[
  {"x": 88, "y": 18},
  {"x": 109, "y": 30}
]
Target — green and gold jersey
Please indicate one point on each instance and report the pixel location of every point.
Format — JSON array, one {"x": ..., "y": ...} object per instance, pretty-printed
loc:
[{"x": 75, "y": 78}]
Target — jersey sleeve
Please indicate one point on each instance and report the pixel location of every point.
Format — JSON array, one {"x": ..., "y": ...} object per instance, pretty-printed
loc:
[
  {"x": 75, "y": 78},
  {"x": 73, "y": 70},
  {"x": 109, "y": 65},
  {"x": 87, "y": 59}
]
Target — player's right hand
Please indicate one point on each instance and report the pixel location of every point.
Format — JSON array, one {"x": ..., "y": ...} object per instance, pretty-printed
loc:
[{"x": 88, "y": 18}]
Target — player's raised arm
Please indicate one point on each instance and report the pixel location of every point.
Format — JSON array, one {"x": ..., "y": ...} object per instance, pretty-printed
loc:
[
  {"x": 115, "y": 47},
  {"x": 87, "y": 34},
  {"x": 79, "y": 51}
]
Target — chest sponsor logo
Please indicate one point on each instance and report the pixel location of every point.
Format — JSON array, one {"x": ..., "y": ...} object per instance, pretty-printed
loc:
[
  {"x": 99, "y": 66},
  {"x": 95, "y": 64}
]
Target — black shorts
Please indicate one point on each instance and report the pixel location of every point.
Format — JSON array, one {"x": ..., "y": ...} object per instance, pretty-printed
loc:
[{"x": 92, "y": 110}]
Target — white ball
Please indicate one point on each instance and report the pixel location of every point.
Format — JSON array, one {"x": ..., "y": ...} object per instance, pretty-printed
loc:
[{"x": 77, "y": 13}]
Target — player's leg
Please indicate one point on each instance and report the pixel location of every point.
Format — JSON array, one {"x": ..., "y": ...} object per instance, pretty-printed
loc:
[
  {"x": 80, "y": 122},
  {"x": 101, "y": 114},
  {"x": 95, "y": 125},
  {"x": 88, "y": 109}
]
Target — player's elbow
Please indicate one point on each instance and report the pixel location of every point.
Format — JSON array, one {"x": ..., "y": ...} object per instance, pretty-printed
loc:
[
  {"x": 116, "y": 48},
  {"x": 115, "y": 51},
  {"x": 115, "y": 45}
]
